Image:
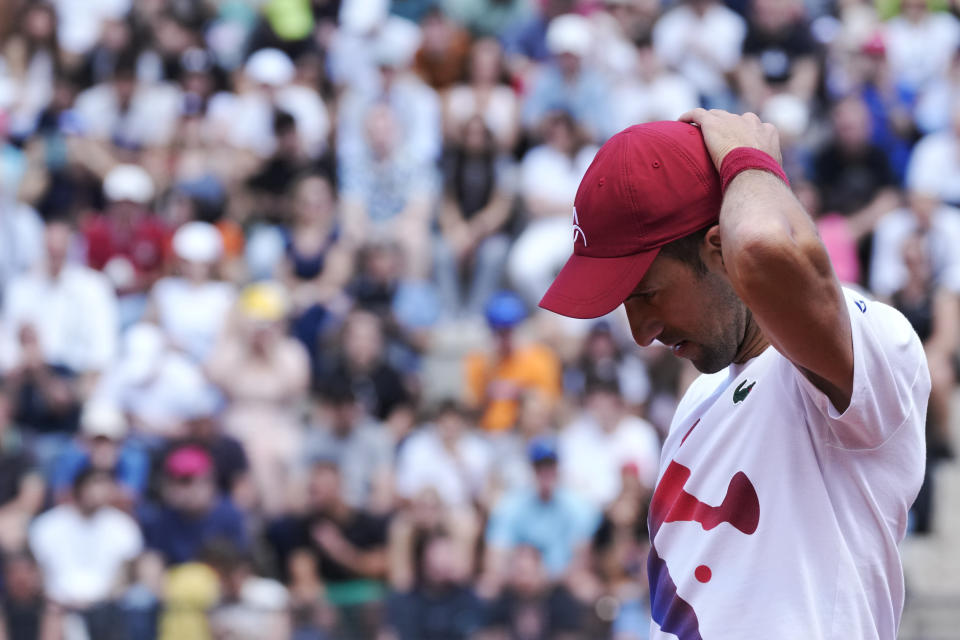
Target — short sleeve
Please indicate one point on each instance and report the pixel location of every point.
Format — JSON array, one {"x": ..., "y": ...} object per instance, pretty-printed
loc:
[
  {"x": 891, "y": 382},
  {"x": 500, "y": 530}
]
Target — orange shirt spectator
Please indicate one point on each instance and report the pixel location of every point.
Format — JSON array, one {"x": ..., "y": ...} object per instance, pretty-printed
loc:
[{"x": 496, "y": 383}]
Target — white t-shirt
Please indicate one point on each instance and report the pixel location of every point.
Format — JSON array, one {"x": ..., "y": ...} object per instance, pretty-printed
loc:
[
  {"x": 193, "y": 314},
  {"x": 592, "y": 460},
  {"x": 934, "y": 166},
  {"x": 775, "y": 516},
  {"x": 888, "y": 271},
  {"x": 81, "y": 558},
  {"x": 425, "y": 463},
  {"x": 74, "y": 314},
  {"x": 920, "y": 53},
  {"x": 719, "y": 26}
]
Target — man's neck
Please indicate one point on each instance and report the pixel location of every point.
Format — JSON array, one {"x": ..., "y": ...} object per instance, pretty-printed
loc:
[{"x": 754, "y": 342}]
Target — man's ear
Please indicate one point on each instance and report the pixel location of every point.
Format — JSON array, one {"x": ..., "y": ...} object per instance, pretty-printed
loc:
[{"x": 712, "y": 252}]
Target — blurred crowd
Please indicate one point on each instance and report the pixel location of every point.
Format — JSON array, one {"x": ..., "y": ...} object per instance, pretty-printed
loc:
[{"x": 271, "y": 364}]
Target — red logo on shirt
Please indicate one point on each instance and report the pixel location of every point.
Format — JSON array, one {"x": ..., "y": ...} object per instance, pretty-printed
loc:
[
  {"x": 740, "y": 508},
  {"x": 671, "y": 503}
]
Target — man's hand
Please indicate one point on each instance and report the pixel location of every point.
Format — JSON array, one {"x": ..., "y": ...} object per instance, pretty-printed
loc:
[{"x": 723, "y": 132}]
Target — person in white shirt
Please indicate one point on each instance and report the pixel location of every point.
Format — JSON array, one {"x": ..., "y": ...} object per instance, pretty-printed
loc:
[
  {"x": 446, "y": 457},
  {"x": 703, "y": 41},
  {"x": 82, "y": 547},
  {"x": 71, "y": 308},
  {"x": 936, "y": 223},
  {"x": 192, "y": 307},
  {"x": 790, "y": 465},
  {"x": 920, "y": 45},
  {"x": 595, "y": 448}
]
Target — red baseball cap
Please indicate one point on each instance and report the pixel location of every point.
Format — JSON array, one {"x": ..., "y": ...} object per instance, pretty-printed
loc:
[{"x": 648, "y": 185}]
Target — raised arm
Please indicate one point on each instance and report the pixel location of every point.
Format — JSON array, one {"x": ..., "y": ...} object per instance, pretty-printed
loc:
[{"x": 770, "y": 250}]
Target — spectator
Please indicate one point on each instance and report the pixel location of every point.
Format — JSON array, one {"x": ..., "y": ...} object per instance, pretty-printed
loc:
[
  {"x": 939, "y": 227},
  {"x": 387, "y": 193},
  {"x": 496, "y": 381},
  {"x": 485, "y": 94},
  {"x": 548, "y": 175},
  {"x": 620, "y": 546},
  {"x": 445, "y": 457},
  {"x": 442, "y": 56},
  {"x": 932, "y": 311},
  {"x": 83, "y": 547},
  {"x": 555, "y": 522},
  {"x": 475, "y": 211},
  {"x": 601, "y": 360},
  {"x": 854, "y": 176},
  {"x": 251, "y": 606},
  {"x": 127, "y": 241},
  {"x": 779, "y": 54},
  {"x": 933, "y": 165},
  {"x": 605, "y": 439},
  {"x": 316, "y": 264},
  {"x": 534, "y": 606},
  {"x": 247, "y": 118},
  {"x": 23, "y": 610},
  {"x": 21, "y": 484},
  {"x": 340, "y": 431},
  {"x": 363, "y": 365},
  {"x": 103, "y": 445},
  {"x": 570, "y": 83},
  {"x": 348, "y": 548},
  {"x": 192, "y": 307},
  {"x": 126, "y": 113},
  {"x": 920, "y": 44},
  {"x": 703, "y": 41},
  {"x": 441, "y": 606},
  {"x": 189, "y": 513},
  {"x": 44, "y": 301},
  {"x": 264, "y": 374}
]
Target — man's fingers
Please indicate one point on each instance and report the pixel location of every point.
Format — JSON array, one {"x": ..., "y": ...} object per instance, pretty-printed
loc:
[{"x": 694, "y": 116}]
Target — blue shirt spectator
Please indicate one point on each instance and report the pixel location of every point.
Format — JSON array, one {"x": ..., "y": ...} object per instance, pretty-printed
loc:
[
  {"x": 190, "y": 516},
  {"x": 556, "y": 522}
]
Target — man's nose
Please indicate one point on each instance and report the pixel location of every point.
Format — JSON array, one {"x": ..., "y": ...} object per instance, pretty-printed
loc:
[{"x": 645, "y": 330}]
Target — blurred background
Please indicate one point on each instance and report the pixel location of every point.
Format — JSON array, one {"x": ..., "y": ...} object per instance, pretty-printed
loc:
[{"x": 271, "y": 364}]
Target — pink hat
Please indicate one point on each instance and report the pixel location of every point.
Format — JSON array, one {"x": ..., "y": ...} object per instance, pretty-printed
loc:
[
  {"x": 188, "y": 461},
  {"x": 648, "y": 185}
]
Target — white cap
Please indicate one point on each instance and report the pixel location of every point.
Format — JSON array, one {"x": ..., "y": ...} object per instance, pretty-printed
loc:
[
  {"x": 103, "y": 418},
  {"x": 397, "y": 43},
  {"x": 363, "y": 16},
  {"x": 198, "y": 242},
  {"x": 270, "y": 66},
  {"x": 569, "y": 33},
  {"x": 128, "y": 182}
]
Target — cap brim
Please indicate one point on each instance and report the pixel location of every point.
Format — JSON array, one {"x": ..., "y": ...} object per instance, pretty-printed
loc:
[{"x": 592, "y": 287}]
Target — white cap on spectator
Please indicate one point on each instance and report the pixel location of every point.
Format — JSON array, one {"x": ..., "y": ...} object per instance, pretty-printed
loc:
[
  {"x": 271, "y": 67},
  {"x": 198, "y": 242},
  {"x": 102, "y": 418},
  {"x": 569, "y": 33},
  {"x": 397, "y": 43},
  {"x": 128, "y": 182},
  {"x": 363, "y": 16}
]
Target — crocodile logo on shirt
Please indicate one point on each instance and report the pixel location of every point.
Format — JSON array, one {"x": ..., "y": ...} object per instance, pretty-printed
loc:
[{"x": 740, "y": 393}]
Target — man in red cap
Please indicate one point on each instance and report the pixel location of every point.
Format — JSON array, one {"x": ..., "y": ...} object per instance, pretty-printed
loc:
[{"x": 790, "y": 465}]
